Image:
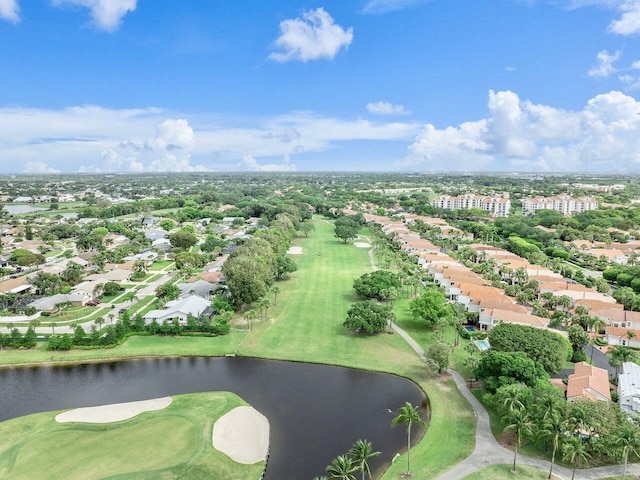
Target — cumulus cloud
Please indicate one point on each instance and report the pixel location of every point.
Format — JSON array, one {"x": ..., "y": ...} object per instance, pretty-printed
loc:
[
  {"x": 251, "y": 164},
  {"x": 39, "y": 168},
  {"x": 312, "y": 36},
  {"x": 106, "y": 14},
  {"x": 386, "y": 108},
  {"x": 521, "y": 135},
  {"x": 629, "y": 21},
  {"x": 386, "y": 6},
  {"x": 9, "y": 10},
  {"x": 169, "y": 151},
  {"x": 92, "y": 138},
  {"x": 605, "y": 67}
]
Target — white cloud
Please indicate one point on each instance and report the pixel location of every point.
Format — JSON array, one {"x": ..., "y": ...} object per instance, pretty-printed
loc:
[
  {"x": 251, "y": 164},
  {"x": 629, "y": 21},
  {"x": 312, "y": 36},
  {"x": 106, "y": 14},
  {"x": 91, "y": 138},
  {"x": 39, "y": 168},
  {"x": 9, "y": 10},
  {"x": 605, "y": 64},
  {"x": 386, "y": 108},
  {"x": 522, "y": 135},
  {"x": 386, "y": 6}
]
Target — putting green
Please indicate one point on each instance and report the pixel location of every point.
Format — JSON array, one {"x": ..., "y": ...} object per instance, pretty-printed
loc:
[{"x": 166, "y": 444}]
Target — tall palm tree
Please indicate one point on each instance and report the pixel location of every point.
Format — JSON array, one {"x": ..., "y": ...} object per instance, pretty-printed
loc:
[
  {"x": 250, "y": 316},
  {"x": 342, "y": 468},
  {"x": 575, "y": 451},
  {"x": 408, "y": 415},
  {"x": 552, "y": 427},
  {"x": 628, "y": 439},
  {"x": 360, "y": 454},
  {"x": 518, "y": 422}
]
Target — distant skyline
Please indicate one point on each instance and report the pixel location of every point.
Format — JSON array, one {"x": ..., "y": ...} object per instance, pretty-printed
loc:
[{"x": 366, "y": 85}]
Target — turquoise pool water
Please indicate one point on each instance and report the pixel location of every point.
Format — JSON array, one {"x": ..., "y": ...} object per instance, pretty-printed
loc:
[
  {"x": 482, "y": 344},
  {"x": 469, "y": 329}
]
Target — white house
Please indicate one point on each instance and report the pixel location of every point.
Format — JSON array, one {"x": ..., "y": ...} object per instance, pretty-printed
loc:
[
  {"x": 629, "y": 388},
  {"x": 180, "y": 309}
]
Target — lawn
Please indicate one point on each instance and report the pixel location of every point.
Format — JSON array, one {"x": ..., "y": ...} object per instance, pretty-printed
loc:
[
  {"x": 160, "y": 265},
  {"x": 503, "y": 472},
  {"x": 36, "y": 446}
]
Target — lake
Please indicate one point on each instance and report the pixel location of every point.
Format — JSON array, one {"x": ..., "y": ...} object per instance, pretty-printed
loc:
[{"x": 316, "y": 412}]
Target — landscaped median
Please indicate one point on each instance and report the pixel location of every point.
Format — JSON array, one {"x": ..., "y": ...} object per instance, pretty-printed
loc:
[{"x": 86, "y": 445}]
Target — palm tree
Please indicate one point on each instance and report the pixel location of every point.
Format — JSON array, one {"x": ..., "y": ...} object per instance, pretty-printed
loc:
[
  {"x": 342, "y": 468},
  {"x": 575, "y": 451},
  {"x": 276, "y": 291},
  {"x": 628, "y": 439},
  {"x": 553, "y": 427},
  {"x": 408, "y": 415},
  {"x": 249, "y": 316},
  {"x": 519, "y": 423},
  {"x": 99, "y": 322},
  {"x": 360, "y": 454}
]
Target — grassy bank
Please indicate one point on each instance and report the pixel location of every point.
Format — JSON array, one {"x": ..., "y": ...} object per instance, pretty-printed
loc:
[
  {"x": 36, "y": 446},
  {"x": 503, "y": 472}
]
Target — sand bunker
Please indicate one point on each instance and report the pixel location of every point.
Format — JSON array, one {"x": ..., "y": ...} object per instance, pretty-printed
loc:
[
  {"x": 243, "y": 435},
  {"x": 361, "y": 244},
  {"x": 295, "y": 251},
  {"x": 113, "y": 413}
]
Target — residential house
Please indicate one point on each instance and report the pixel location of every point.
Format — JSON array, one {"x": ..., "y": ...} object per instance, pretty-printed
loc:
[
  {"x": 51, "y": 304},
  {"x": 589, "y": 382},
  {"x": 629, "y": 388},
  {"x": 490, "y": 318},
  {"x": 201, "y": 288},
  {"x": 180, "y": 309}
]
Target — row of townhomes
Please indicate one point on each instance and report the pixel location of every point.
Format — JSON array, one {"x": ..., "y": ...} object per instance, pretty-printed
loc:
[
  {"x": 564, "y": 204},
  {"x": 498, "y": 205},
  {"x": 493, "y": 306}
]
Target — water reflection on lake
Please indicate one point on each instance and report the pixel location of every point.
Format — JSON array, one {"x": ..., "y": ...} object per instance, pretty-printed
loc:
[{"x": 316, "y": 412}]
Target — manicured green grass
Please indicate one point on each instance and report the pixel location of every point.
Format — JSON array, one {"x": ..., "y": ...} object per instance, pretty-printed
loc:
[
  {"x": 153, "y": 278},
  {"x": 160, "y": 264},
  {"x": 134, "y": 347},
  {"x": 171, "y": 443},
  {"x": 503, "y": 472}
]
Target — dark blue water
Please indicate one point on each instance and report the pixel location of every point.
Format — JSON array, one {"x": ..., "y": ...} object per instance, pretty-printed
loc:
[{"x": 316, "y": 412}]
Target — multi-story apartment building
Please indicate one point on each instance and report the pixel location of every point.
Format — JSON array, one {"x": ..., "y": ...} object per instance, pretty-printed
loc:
[
  {"x": 498, "y": 205},
  {"x": 564, "y": 204}
]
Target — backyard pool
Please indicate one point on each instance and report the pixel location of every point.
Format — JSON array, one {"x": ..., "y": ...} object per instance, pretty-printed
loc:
[
  {"x": 483, "y": 344},
  {"x": 469, "y": 328}
]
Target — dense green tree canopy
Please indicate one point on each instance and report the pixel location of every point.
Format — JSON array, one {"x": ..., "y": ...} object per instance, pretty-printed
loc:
[
  {"x": 431, "y": 306},
  {"x": 368, "y": 317},
  {"x": 376, "y": 284},
  {"x": 545, "y": 347},
  {"x": 503, "y": 368}
]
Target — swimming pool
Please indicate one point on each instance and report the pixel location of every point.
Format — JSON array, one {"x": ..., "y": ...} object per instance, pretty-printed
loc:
[
  {"x": 469, "y": 328},
  {"x": 483, "y": 344}
]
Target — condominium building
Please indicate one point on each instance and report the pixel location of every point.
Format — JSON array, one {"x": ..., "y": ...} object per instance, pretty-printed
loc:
[
  {"x": 498, "y": 205},
  {"x": 562, "y": 203}
]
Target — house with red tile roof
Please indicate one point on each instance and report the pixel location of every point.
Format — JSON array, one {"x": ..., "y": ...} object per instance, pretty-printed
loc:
[{"x": 589, "y": 382}]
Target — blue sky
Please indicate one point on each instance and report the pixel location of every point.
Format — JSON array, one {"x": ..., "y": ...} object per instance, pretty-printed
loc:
[{"x": 385, "y": 85}]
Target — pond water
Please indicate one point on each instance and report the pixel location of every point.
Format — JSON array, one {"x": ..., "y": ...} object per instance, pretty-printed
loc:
[
  {"x": 316, "y": 412},
  {"x": 20, "y": 209}
]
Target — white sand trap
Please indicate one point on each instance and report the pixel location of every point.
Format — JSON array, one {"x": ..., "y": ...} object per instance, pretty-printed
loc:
[
  {"x": 295, "y": 251},
  {"x": 361, "y": 244},
  {"x": 113, "y": 413},
  {"x": 243, "y": 435}
]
